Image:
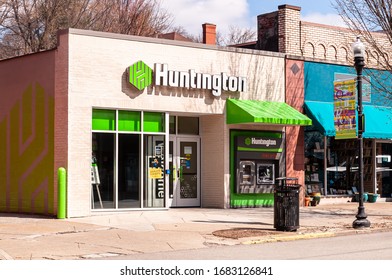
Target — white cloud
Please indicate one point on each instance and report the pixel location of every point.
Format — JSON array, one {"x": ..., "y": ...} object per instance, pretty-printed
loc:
[
  {"x": 329, "y": 19},
  {"x": 191, "y": 14}
]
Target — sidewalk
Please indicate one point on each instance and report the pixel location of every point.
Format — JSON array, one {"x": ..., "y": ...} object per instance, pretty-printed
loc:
[{"x": 24, "y": 237}]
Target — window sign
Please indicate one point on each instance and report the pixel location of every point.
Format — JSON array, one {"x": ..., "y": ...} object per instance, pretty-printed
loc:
[
  {"x": 188, "y": 150},
  {"x": 155, "y": 169}
]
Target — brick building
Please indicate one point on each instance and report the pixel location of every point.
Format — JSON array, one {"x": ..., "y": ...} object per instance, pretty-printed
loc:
[
  {"x": 283, "y": 31},
  {"x": 142, "y": 123},
  {"x": 213, "y": 127},
  {"x": 317, "y": 56}
]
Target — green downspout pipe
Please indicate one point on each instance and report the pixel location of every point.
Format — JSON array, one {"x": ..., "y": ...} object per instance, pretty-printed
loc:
[{"x": 61, "y": 193}]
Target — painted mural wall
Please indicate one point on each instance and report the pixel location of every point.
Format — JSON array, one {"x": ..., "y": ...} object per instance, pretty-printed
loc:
[
  {"x": 26, "y": 134},
  {"x": 319, "y": 78}
]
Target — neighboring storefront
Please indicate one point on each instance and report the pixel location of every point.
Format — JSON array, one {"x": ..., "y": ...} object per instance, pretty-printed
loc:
[
  {"x": 331, "y": 164},
  {"x": 142, "y": 123}
]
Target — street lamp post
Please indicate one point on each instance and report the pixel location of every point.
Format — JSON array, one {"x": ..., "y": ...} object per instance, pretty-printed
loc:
[{"x": 359, "y": 62}]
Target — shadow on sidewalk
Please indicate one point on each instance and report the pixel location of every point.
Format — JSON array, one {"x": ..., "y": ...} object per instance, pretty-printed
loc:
[
  {"x": 27, "y": 216},
  {"x": 232, "y": 222}
]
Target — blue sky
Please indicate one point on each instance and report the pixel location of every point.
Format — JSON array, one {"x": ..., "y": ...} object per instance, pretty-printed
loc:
[
  {"x": 307, "y": 6},
  {"x": 191, "y": 14}
]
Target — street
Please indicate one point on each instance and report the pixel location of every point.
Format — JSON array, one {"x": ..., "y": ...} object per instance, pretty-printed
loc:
[{"x": 375, "y": 246}]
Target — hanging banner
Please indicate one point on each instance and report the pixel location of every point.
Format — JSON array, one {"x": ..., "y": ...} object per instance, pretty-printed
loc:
[
  {"x": 344, "y": 109},
  {"x": 366, "y": 86}
]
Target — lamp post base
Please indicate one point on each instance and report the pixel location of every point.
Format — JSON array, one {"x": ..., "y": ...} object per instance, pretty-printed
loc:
[{"x": 361, "y": 221}]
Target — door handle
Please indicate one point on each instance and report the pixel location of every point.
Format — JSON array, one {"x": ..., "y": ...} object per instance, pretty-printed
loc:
[
  {"x": 175, "y": 175},
  {"x": 180, "y": 173}
]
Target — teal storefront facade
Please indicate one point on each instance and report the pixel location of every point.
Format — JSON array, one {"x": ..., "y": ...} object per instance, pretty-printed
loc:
[{"x": 331, "y": 164}]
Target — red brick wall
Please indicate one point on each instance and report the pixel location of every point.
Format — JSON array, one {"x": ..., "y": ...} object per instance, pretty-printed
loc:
[
  {"x": 295, "y": 151},
  {"x": 61, "y": 105},
  {"x": 267, "y": 32},
  {"x": 209, "y": 34}
]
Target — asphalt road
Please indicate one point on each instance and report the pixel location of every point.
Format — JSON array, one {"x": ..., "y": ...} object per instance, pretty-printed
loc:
[{"x": 374, "y": 246}]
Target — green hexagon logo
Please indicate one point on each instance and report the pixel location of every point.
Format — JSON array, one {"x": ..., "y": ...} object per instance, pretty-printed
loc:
[
  {"x": 248, "y": 141},
  {"x": 140, "y": 75}
]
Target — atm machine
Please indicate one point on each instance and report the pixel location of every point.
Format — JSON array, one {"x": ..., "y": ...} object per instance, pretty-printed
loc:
[{"x": 257, "y": 163}]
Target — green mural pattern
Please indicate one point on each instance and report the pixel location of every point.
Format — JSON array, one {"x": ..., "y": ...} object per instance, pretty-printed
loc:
[{"x": 27, "y": 154}]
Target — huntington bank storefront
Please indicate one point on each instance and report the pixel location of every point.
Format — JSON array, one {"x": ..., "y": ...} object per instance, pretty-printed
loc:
[{"x": 142, "y": 123}]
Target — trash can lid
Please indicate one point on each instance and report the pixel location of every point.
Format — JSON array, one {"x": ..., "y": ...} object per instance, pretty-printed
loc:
[
  {"x": 287, "y": 178},
  {"x": 287, "y": 181}
]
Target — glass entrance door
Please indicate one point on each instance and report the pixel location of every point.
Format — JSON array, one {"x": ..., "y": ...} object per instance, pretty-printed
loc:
[{"x": 184, "y": 163}]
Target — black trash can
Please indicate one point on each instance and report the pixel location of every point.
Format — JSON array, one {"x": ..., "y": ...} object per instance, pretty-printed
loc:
[{"x": 286, "y": 204}]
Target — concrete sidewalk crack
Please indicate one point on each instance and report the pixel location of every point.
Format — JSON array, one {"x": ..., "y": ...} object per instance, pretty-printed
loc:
[{"x": 5, "y": 255}]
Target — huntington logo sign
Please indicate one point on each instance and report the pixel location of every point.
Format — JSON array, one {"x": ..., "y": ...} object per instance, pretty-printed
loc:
[{"x": 140, "y": 75}]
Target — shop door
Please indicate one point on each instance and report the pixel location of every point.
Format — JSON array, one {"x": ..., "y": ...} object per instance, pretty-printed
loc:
[{"x": 184, "y": 162}]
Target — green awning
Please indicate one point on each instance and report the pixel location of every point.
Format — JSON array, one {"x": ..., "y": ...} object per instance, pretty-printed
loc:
[{"x": 269, "y": 112}]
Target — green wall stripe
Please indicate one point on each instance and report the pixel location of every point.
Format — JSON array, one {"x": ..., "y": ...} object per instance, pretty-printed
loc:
[{"x": 260, "y": 150}]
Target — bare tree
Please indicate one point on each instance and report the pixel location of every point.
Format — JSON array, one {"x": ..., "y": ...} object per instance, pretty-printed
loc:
[
  {"x": 132, "y": 17},
  {"x": 236, "y": 35},
  {"x": 28, "y": 26},
  {"x": 181, "y": 30},
  {"x": 3, "y": 12},
  {"x": 32, "y": 25},
  {"x": 372, "y": 21}
]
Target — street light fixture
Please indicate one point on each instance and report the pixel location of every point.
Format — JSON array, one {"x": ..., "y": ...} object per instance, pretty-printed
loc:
[{"x": 359, "y": 62}]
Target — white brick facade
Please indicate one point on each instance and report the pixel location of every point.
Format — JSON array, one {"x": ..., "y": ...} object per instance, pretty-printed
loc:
[{"x": 97, "y": 69}]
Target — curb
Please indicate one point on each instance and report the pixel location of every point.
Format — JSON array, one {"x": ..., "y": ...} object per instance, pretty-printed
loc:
[
  {"x": 282, "y": 238},
  {"x": 304, "y": 236}
]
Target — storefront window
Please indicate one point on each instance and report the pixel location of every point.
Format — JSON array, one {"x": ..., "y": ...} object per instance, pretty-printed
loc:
[
  {"x": 342, "y": 169},
  {"x": 188, "y": 125},
  {"x": 104, "y": 120},
  {"x": 154, "y": 186},
  {"x": 117, "y": 169},
  {"x": 184, "y": 125},
  {"x": 384, "y": 169},
  {"x": 154, "y": 122},
  {"x": 314, "y": 162},
  {"x": 340, "y": 165},
  {"x": 103, "y": 153},
  {"x": 128, "y": 171},
  {"x": 128, "y": 121},
  {"x": 172, "y": 124}
]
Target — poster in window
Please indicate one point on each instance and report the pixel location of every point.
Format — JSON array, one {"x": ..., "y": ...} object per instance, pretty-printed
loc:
[
  {"x": 94, "y": 174},
  {"x": 155, "y": 168}
]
